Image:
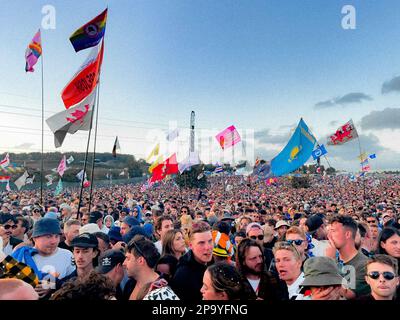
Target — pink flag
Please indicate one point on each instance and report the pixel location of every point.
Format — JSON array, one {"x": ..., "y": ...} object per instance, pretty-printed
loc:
[
  {"x": 33, "y": 52},
  {"x": 8, "y": 188},
  {"x": 228, "y": 138},
  {"x": 62, "y": 166},
  {"x": 366, "y": 168},
  {"x": 5, "y": 162}
]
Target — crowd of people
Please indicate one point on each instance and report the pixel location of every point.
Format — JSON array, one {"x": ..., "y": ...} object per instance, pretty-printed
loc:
[{"x": 238, "y": 239}]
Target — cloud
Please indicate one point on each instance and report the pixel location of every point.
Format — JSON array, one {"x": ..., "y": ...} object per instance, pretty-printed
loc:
[
  {"x": 333, "y": 123},
  {"x": 391, "y": 85},
  {"x": 263, "y": 136},
  {"x": 288, "y": 126},
  {"x": 388, "y": 118},
  {"x": 353, "y": 97},
  {"x": 25, "y": 145}
]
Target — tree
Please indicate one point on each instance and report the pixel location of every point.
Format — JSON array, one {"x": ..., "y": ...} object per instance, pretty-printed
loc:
[{"x": 188, "y": 179}]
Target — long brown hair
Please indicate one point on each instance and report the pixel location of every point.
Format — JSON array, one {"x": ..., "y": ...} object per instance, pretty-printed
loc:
[{"x": 168, "y": 241}]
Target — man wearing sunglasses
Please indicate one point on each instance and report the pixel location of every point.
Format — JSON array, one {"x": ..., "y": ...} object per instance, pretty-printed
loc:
[
  {"x": 7, "y": 225},
  {"x": 382, "y": 277}
]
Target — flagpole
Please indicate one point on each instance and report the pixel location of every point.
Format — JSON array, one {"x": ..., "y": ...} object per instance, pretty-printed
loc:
[
  {"x": 41, "y": 162},
  {"x": 363, "y": 179},
  {"x": 95, "y": 141},
  {"x": 84, "y": 165}
]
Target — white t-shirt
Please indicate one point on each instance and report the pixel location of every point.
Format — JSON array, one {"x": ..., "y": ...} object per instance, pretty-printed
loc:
[
  {"x": 254, "y": 284},
  {"x": 158, "y": 245},
  {"x": 61, "y": 261},
  {"x": 294, "y": 288},
  {"x": 8, "y": 249},
  {"x": 104, "y": 229}
]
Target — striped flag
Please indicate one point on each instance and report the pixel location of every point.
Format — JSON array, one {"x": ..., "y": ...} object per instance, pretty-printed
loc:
[
  {"x": 218, "y": 169},
  {"x": 33, "y": 52},
  {"x": 4, "y": 179},
  {"x": 5, "y": 162}
]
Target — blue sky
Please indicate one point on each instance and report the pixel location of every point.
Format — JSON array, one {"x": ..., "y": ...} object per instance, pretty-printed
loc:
[{"x": 260, "y": 65}]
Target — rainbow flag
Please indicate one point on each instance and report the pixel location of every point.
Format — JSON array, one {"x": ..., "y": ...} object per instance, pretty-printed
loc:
[
  {"x": 90, "y": 34},
  {"x": 33, "y": 52}
]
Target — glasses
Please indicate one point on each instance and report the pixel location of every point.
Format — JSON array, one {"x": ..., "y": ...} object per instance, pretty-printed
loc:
[
  {"x": 371, "y": 221},
  {"x": 260, "y": 237},
  {"x": 387, "y": 275},
  {"x": 8, "y": 226},
  {"x": 297, "y": 242}
]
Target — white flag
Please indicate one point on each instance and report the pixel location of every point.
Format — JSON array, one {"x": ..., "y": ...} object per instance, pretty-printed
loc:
[
  {"x": 5, "y": 162},
  {"x": 80, "y": 175},
  {"x": 21, "y": 181},
  {"x": 30, "y": 180},
  {"x": 70, "y": 160},
  {"x": 192, "y": 160},
  {"x": 73, "y": 119},
  {"x": 122, "y": 173},
  {"x": 173, "y": 134}
]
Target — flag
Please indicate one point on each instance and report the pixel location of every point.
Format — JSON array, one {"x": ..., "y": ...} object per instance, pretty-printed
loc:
[
  {"x": 364, "y": 163},
  {"x": 271, "y": 181},
  {"x": 30, "y": 180},
  {"x": 33, "y": 52},
  {"x": 62, "y": 166},
  {"x": 319, "y": 152},
  {"x": 362, "y": 174},
  {"x": 115, "y": 147},
  {"x": 80, "y": 175},
  {"x": 90, "y": 34},
  {"x": 154, "y": 152},
  {"x": 5, "y": 162},
  {"x": 228, "y": 137},
  {"x": 86, "y": 183},
  {"x": 352, "y": 178},
  {"x": 4, "y": 179},
  {"x": 159, "y": 160},
  {"x": 49, "y": 179},
  {"x": 192, "y": 160},
  {"x": 257, "y": 162},
  {"x": 58, "y": 188},
  {"x": 8, "y": 188},
  {"x": 241, "y": 165},
  {"x": 218, "y": 169},
  {"x": 345, "y": 133},
  {"x": 366, "y": 168},
  {"x": 173, "y": 134},
  {"x": 85, "y": 80},
  {"x": 169, "y": 166},
  {"x": 21, "y": 181},
  {"x": 318, "y": 170},
  {"x": 78, "y": 117},
  {"x": 372, "y": 156},
  {"x": 122, "y": 173},
  {"x": 70, "y": 159},
  {"x": 201, "y": 175},
  {"x": 296, "y": 152},
  {"x": 362, "y": 157},
  {"x": 263, "y": 169}
]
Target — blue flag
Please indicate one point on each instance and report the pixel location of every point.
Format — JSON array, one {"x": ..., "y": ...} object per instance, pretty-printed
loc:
[
  {"x": 319, "y": 152},
  {"x": 372, "y": 156},
  {"x": 58, "y": 188},
  {"x": 296, "y": 153}
]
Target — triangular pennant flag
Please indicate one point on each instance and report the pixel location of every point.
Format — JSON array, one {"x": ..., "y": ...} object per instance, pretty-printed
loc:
[
  {"x": 115, "y": 147},
  {"x": 154, "y": 152}
]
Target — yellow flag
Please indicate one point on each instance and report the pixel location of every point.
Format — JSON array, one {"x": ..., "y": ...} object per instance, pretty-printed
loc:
[
  {"x": 363, "y": 156},
  {"x": 156, "y": 163},
  {"x": 154, "y": 152}
]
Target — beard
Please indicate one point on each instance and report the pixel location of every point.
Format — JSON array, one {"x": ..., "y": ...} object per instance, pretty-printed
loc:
[{"x": 247, "y": 270}]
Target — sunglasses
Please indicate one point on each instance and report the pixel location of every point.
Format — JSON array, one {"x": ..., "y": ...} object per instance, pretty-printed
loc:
[
  {"x": 387, "y": 275},
  {"x": 260, "y": 237},
  {"x": 296, "y": 242},
  {"x": 8, "y": 226}
]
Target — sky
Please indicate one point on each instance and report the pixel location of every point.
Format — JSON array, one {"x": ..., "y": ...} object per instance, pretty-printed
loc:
[{"x": 258, "y": 65}]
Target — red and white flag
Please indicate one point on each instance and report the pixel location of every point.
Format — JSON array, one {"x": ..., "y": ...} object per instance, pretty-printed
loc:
[
  {"x": 5, "y": 162},
  {"x": 343, "y": 134},
  {"x": 85, "y": 80},
  {"x": 62, "y": 166},
  {"x": 5, "y": 179}
]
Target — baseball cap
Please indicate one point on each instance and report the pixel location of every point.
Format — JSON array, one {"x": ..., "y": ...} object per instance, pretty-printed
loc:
[
  {"x": 85, "y": 240},
  {"x": 94, "y": 216},
  {"x": 109, "y": 259},
  {"x": 313, "y": 223}
]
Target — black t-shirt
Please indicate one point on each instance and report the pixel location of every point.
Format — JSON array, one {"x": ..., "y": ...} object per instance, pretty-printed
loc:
[{"x": 63, "y": 245}]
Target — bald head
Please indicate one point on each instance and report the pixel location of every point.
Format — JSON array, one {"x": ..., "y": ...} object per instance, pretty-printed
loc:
[{"x": 15, "y": 289}]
